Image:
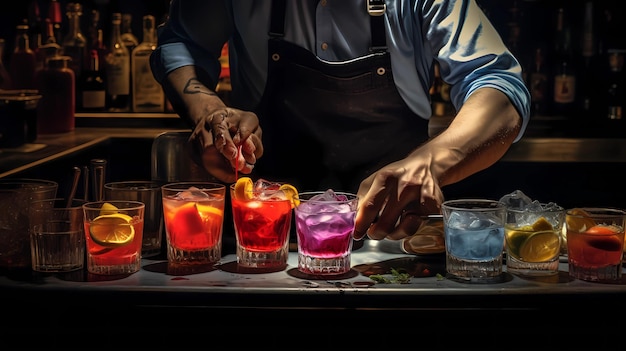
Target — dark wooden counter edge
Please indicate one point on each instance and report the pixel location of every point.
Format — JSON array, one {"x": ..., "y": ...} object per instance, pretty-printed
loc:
[
  {"x": 69, "y": 143},
  {"x": 527, "y": 149}
]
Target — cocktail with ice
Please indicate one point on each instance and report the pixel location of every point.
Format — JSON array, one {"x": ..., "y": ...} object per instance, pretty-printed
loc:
[
  {"x": 532, "y": 235},
  {"x": 324, "y": 228},
  {"x": 262, "y": 220},
  {"x": 474, "y": 232},
  {"x": 193, "y": 214}
]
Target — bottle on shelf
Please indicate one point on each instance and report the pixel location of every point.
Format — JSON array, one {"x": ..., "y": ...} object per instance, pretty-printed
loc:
[
  {"x": 615, "y": 89},
  {"x": 56, "y": 18},
  {"x": 147, "y": 94},
  {"x": 23, "y": 61},
  {"x": 74, "y": 44},
  {"x": 5, "y": 77},
  {"x": 92, "y": 86},
  {"x": 440, "y": 94},
  {"x": 564, "y": 75},
  {"x": 117, "y": 69},
  {"x": 587, "y": 87},
  {"x": 56, "y": 108},
  {"x": 128, "y": 37},
  {"x": 538, "y": 84},
  {"x": 36, "y": 31},
  {"x": 224, "y": 87}
]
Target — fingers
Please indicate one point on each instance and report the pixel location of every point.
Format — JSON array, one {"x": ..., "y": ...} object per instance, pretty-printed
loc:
[
  {"x": 408, "y": 224},
  {"x": 394, "y": 204}
]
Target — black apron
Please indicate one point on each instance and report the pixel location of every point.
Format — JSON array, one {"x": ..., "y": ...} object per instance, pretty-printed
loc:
[{"x": 331, "y": 124}]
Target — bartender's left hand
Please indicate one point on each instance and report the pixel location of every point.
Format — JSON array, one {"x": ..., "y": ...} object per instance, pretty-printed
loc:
[{"x": 393, "y": 200}]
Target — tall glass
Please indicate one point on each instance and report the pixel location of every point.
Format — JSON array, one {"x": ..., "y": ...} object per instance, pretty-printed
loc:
[
  {"x": 15, "y": 197},
  {"x": 57, "y": 238},
  {"x": 595, "y": 243},
  {"x": 474, "y": 231},
  {"x": 324, "y": 228},
  {"x": 148, "y": 192},
  {"x": 194, "y": 220},
  {"x": 113, "y": 232},
  {"x": 262, "y": 222}
]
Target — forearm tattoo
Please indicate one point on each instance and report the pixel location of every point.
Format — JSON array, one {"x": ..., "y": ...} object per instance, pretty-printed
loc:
[{"x": 194, "y": 86}]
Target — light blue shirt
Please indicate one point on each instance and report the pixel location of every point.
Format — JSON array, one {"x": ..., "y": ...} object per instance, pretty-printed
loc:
[{"x": 456, "y": 33}]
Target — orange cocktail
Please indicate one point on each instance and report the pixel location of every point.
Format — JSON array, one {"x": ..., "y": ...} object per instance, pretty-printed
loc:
[
  {"x": 595, "y": 242},
  {"x": 194, "y": 215},
  {"x": 113, "y": 232}
]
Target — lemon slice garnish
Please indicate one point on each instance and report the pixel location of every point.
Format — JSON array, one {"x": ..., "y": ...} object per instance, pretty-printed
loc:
[
  {"x": 112, "y": 230},
  {"x": 243, "y": 188},
  {"x": 209, "y": 210},
  {"x": 107, "y": 209},
  {"x": 292, "y": 194},
  {"x": 540, "y": 246},
  {"x": 579, "y": 220}
]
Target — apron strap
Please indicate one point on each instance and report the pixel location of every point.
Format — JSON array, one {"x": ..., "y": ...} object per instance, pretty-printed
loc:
[
  {"x": 277, "y": 23},
  {"x": 376, "y": 9}
]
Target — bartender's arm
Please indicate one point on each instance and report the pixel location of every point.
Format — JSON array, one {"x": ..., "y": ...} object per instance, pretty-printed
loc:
[
  {"x": 480, "y": 134},
  {"x": 187, "y": 66}
]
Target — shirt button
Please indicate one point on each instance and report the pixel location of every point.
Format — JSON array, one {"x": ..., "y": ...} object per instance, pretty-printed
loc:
[
  {"x": 323, "y": 2},
  {"x": 324, "y": 46}
]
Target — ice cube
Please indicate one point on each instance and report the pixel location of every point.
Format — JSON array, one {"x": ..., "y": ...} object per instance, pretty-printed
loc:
[
  {"x": 516, "y": 200},
  {"x": 193, "y": 193},
  {"x": 263, "y": 184}
]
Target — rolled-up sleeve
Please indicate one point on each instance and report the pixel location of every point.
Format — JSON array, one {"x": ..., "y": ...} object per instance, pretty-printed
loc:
[
  {"x": 472, "y": 55},
  {"x": 200, "y": 46}
]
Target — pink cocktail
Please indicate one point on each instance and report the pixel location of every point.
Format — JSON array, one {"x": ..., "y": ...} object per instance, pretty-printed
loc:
[{"x": 324, "y": 227}]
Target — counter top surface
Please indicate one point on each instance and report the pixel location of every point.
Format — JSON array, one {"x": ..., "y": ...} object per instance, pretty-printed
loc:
[
  {"x": 179, "y": 308},
  {"x": 374, "y": 257}
]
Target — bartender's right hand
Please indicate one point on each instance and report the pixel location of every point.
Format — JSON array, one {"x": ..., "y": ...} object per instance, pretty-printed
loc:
[{"x": 218, "y": 138}]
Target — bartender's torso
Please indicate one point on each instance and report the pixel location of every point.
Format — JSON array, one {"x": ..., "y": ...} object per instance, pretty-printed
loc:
[{"x": 335, "y": 31}]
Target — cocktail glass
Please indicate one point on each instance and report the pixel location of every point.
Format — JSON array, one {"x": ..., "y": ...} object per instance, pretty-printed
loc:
[
  {"x": 262, "y": 220},
  {"x": 595, "y": 242},
  {"x": 16, "y": 194},
  {"x": 474, "y": 232},
  {"x": 533, "y": 239},
  {"x": 324, "y": 228},
  {"x": 148, "y": 192},
  {"x": 113, "y": 232},
  {"x": 194, "y": 219}
]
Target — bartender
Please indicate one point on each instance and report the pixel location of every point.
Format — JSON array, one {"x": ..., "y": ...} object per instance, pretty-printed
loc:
[{"x": 334, "y": 94}]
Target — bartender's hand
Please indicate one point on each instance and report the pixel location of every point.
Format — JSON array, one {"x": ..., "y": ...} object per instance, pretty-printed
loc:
[
  {"x": 218, "y": 137},
  {"x": 394, "y": 201}
]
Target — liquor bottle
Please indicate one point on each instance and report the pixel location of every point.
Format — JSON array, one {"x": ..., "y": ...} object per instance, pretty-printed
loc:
[
  {"x": 36, "y": 31},
  {"x": 538, "y": 84},
  {"x": 74, "y": 44},
  {"x": 5, "y": 77},
  {"x": 147, "y": 94},
  {"x": 440, "y": 94},
  {"x": 128, "y": 37},
  {"x": 564, "y": 75},
  {"x": 92, "y": 86},
  {"x": 56, "y": 18},
  {"x": 615, "y": 89},
  {"x": 117, "y": 69},
  {"x": 587, "y": 87},
  {"x": 55, "y": 111},
  {"x": 224, "y": 86},
  {"x": 23, "y": 61}
]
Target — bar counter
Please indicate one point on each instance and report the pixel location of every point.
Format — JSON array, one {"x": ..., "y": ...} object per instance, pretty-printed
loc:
[
  {"x": 166, "y": 305},
  {"x": 225, "y": 300}
]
